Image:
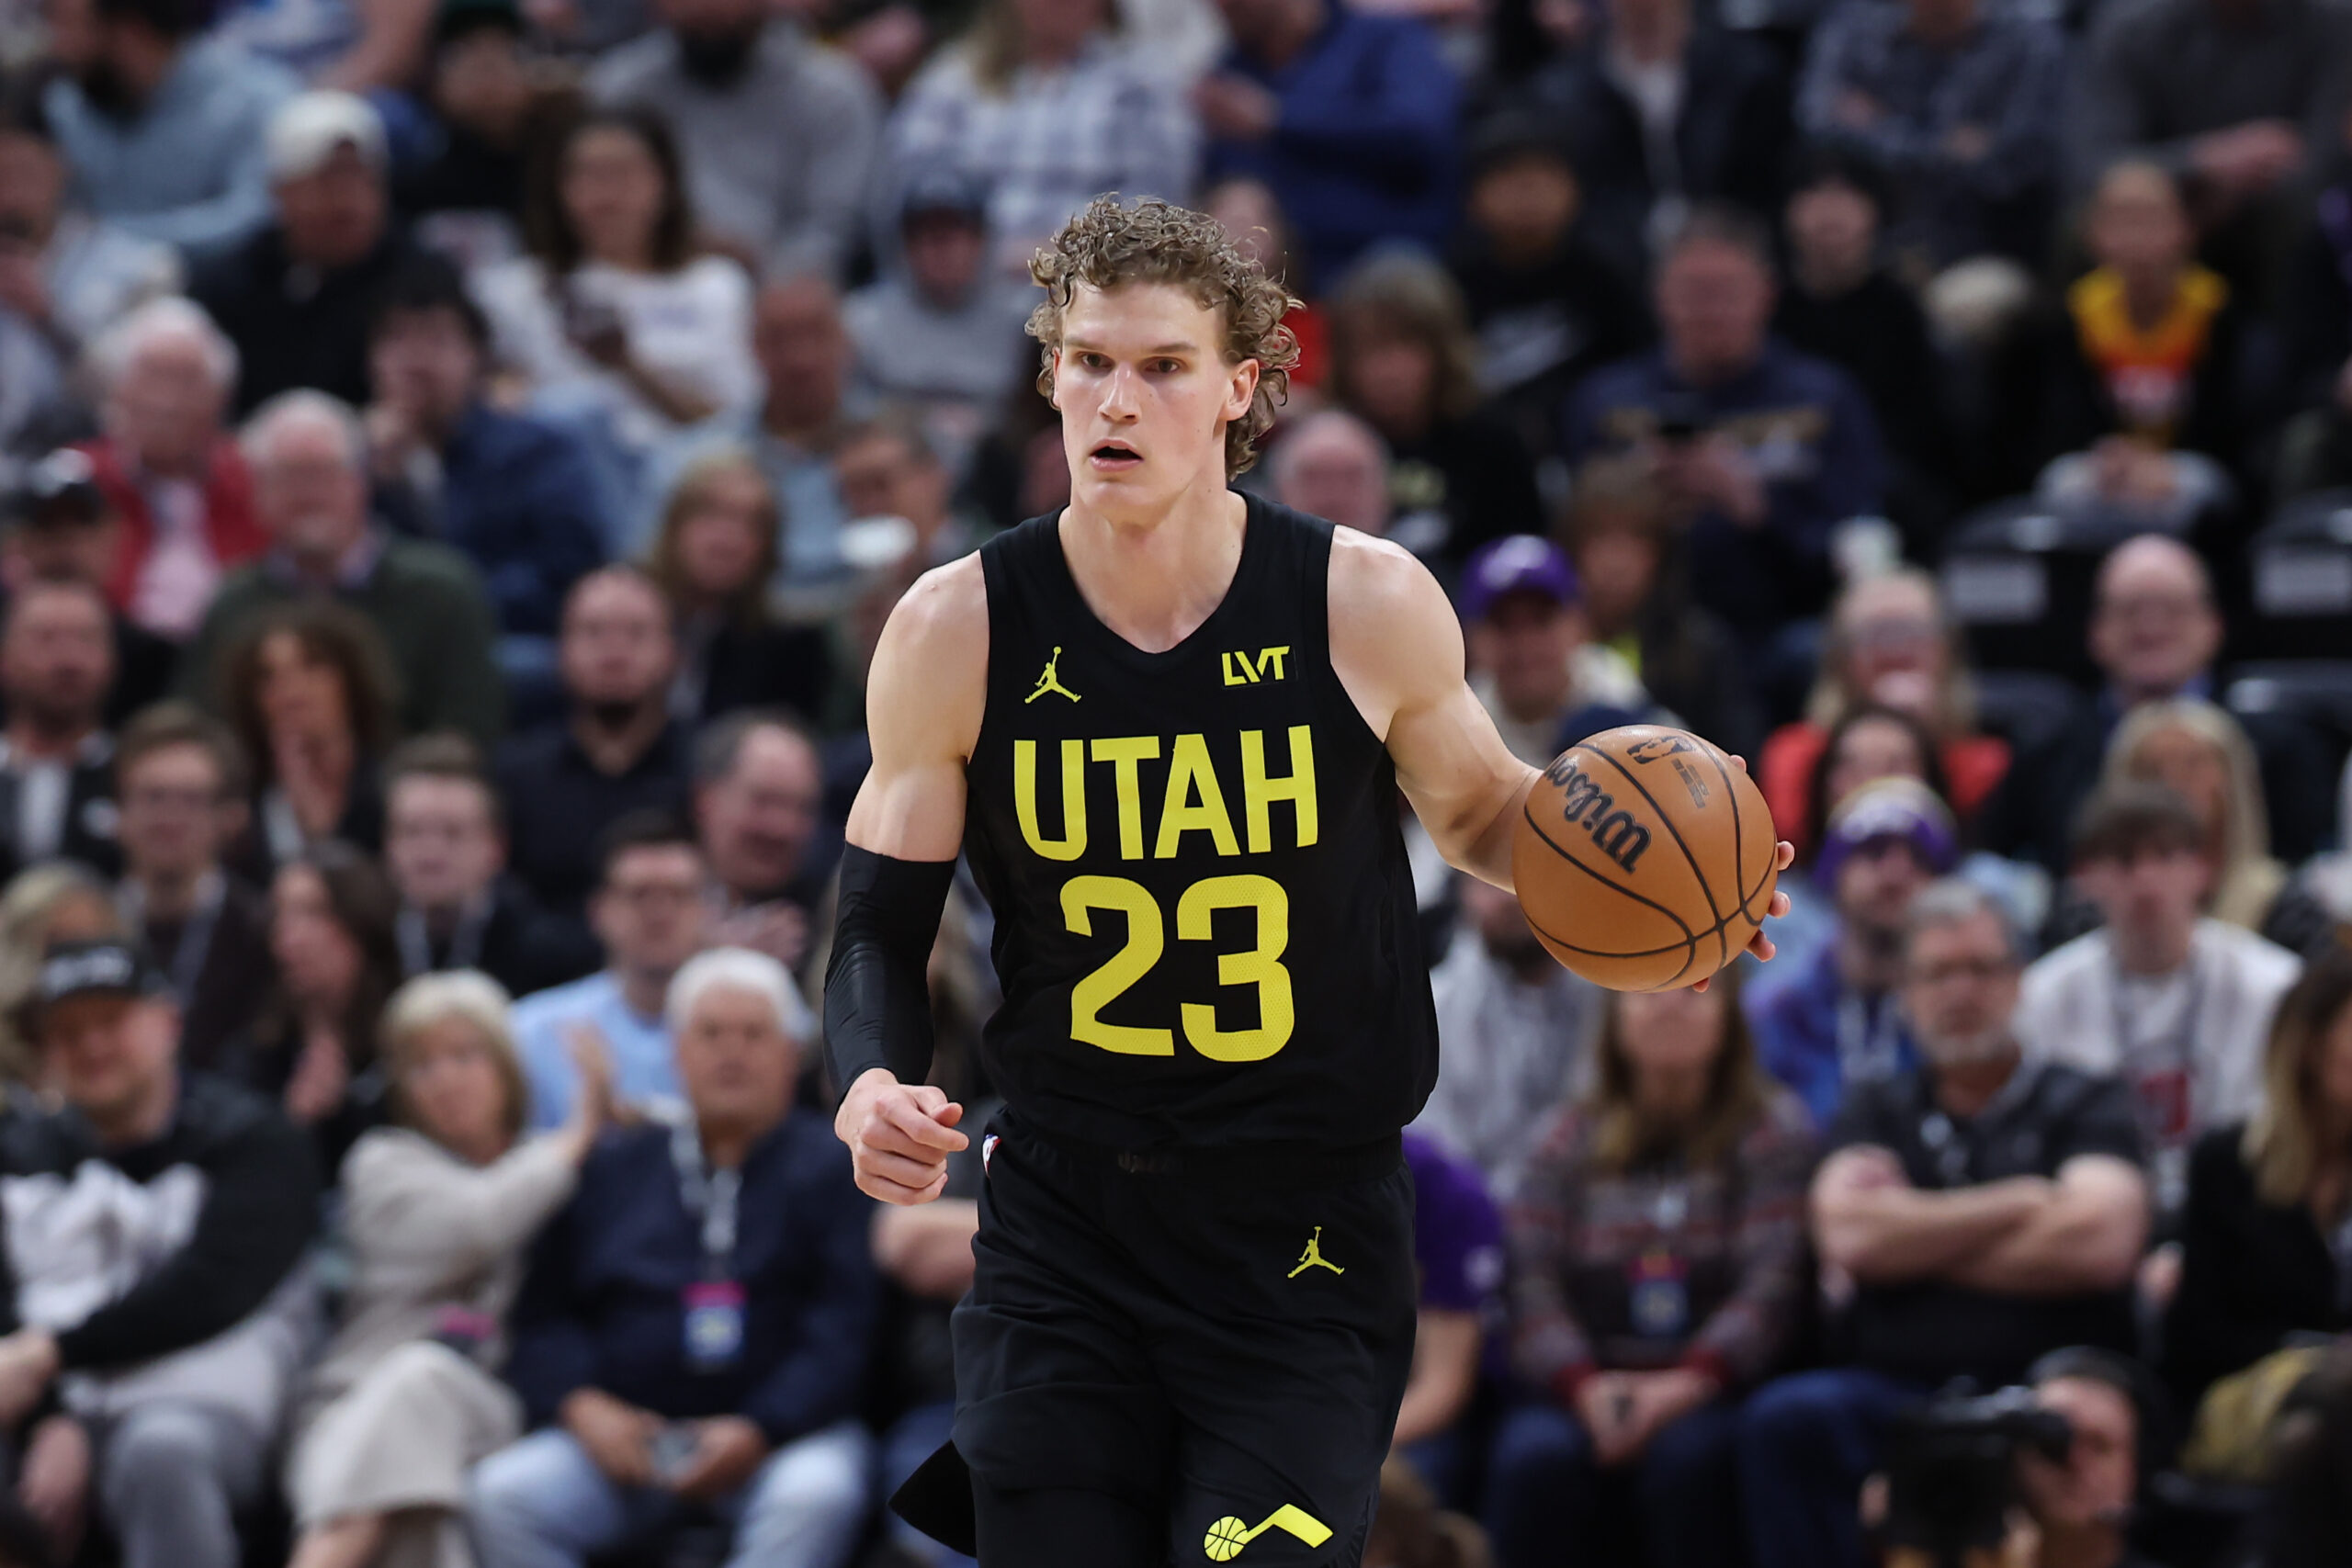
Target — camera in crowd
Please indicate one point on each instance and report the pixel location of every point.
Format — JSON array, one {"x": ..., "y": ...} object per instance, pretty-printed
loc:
[{"x": 1952, "y": 1470}]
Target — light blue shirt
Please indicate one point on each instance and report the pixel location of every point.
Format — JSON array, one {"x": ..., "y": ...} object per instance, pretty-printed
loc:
[
  {"x": 645, "y": 1070},
  {"x": 189, "y": 170}
]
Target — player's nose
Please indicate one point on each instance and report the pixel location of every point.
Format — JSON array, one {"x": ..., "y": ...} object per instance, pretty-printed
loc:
[{"x": 1120, "y": 400}]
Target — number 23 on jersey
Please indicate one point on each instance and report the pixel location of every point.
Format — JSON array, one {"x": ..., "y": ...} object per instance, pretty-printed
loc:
[{"x": 1193, "y": 803}]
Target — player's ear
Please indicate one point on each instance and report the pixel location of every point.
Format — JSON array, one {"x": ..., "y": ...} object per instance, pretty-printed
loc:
[
  {"x": 1241, "y": 388},
  {"x": 1054, "y": 378}
]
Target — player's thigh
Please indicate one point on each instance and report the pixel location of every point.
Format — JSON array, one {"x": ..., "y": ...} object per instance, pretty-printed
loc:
[
  {"x": 1285, "y": 1391},
  {"x": 1066, "y": 1528},
  {"x": 1053, "y": 1386}
]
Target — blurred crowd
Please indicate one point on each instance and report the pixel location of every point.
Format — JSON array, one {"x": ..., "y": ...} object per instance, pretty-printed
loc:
[{"x": 457, "y": 456}]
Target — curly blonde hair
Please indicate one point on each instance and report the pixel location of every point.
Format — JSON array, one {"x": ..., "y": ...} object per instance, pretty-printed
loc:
[{"x": 1109, "y": 245}]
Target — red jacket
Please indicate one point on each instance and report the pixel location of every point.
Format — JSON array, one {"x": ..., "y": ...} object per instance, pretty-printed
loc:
[{"x": 230, "y": 522}]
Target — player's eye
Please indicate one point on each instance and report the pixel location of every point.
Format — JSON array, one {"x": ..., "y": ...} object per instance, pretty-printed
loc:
[
  {"x": 1093, "y": 362},
  {"x": 1167, "y": 366}
]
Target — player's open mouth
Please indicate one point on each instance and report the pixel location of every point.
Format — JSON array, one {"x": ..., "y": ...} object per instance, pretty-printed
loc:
[{"x": 1114, "y": 457}]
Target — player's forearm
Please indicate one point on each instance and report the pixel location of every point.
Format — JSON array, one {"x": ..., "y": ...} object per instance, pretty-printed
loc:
[
  {"x": 1479, "y": 840},
  {"x": 877, "y": 994}
]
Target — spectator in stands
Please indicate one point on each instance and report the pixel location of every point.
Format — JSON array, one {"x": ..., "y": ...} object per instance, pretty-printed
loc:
[
  {"x": 2176, "y": 1003},
  {"x": 764, "y": 1397},
  {"x": 1334, "y": 466},
  {"x": 1889, "y": 644},
  {"x": 308, "y": 458},
  {"x": 1662, "y": 116},
  {"x": 2199, "y": 752},
  {"x": 515, "y": 496},
  {"x": 164, "y": 131},
  {"x": 1348, "y": 116},
  {"x": 314, "y": 1046},
  {"x": 2244, "y": 101},
  {"x": 892, "y": 466},
  {"x": 714, "y": 559},
  {"x": 65, "y": 274},
  {"x": 1988, "y": 1209},
  {"x": 438, "y": 1212},
  {"x": 944, "y": 334},
  {"x": 295, "y": 298},
  {"x": 1656, "y": 1246},
  {"x": 311, "y": 702},
  {"x": 1252, "y": 216},
  {"x": 2154, "y": 630},
  {"x": 1762, "y": 450},
  {"x": 2080, "y": 1509},
  {"x": 1631, "y": 570},
  {"x": 2146, "y": 356},
  {"x": 1956, "y": 109},
  {"x": 1548, "y": 309},
  {"x": 651, "y": 913},
  {"x": 616, "y": 749},
  {"x": 155, "y": 1268},
  {"x": 759, "y": 787},
  {"x": 1403, "y": 360},
  {"x": 445, "y": 847},
  {"x": 1043, "y": 107},
  {"x": 1539, "y": 676},
  {"x": 776, "y": 133},
  {"x": 1873, "y": 742},
  {"x": 56, "y": 758},
  {"x": 1836, "y": 1022},
  {"x": 1459, "y": 1257},
  {"x": 59, "y": 902},
  {"x": 1514, "y": 1031},
  {"x": 805, "y": 356},
  {"x": 169, "y": 471},
  {"x": 1844, "y": 305},
  {"x": 180, "y": 782},
  {"x": 64, "y": 531},
  {"x": 464, "y": 190},
  {"x": 613, "y": 319},
  {"x": 2259, "y": 1273}
]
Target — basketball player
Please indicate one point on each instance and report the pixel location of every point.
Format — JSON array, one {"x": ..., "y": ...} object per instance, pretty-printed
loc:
[{"x": 1165, "y": 728}]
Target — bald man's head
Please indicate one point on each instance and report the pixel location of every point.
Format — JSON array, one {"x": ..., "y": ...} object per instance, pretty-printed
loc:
[
  {"x": 1334, "y": 465},
  {"x": 2154, "y": 627}
]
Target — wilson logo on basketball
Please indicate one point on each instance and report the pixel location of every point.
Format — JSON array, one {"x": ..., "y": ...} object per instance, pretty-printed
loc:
[{"x": 1588, "y": 805}]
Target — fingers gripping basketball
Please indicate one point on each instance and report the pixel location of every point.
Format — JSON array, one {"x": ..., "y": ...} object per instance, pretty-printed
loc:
[{"x": 1644, "y": 858}]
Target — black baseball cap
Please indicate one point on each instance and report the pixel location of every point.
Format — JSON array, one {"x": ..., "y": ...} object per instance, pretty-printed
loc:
[
  {"x": 91, "y": 969},
  {"x": 939, "y": 192},
  {"x": 60, "y": 489}
]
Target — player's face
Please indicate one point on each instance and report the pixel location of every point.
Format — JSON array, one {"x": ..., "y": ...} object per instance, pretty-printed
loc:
[{"x": 1145, "y": 395}]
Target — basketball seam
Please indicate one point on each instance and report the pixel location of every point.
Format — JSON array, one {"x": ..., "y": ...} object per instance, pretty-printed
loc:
[
  {"x": 1706, "y": 888},
  {"x": 1690, "y": 952},
  {"x": 1738, "y": 842},
  {"x": 1680, "y": 842},
  {"x": 1559, "y": 849}
]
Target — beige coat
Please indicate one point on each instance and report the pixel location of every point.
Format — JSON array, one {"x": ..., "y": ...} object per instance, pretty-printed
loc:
[{"x": 392, "y": 1419}]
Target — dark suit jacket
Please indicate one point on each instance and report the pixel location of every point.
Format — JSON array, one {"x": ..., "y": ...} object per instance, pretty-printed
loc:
[
  {"x": 233, "y": 975},
  {"x": 765, "y": 666},
  {"x": 90, "y": 814},
  {"x": 521, "y": 946}
]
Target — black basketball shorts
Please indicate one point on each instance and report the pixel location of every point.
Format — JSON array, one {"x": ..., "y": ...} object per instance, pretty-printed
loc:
[{"x": 1221, "y": 1344}]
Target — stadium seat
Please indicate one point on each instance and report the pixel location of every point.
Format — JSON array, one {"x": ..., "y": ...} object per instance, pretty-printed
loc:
[
  {"x": 2301, "y": 569},
  {"x": 2018, "y": 575},
  {"x": 2315, "y": 693},
  {"x": 2024, "y": 707}
]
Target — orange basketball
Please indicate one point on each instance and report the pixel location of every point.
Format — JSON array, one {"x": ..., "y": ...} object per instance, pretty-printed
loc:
[{"x": 1643, "y": 859}]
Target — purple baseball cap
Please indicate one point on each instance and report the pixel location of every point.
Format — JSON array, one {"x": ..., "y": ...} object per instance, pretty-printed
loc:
[
  {"x": 1889, "y": 808},
  {"x": 1519, "y": 564}
]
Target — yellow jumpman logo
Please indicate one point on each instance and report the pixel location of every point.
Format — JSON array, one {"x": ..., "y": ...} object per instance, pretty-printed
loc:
[
  {"x": 1312, "y": 1257},
  {"x": 1050, "y": 682}
]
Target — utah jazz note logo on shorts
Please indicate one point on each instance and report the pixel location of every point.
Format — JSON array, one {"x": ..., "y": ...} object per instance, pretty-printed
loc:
[
  {"x": 1050, "y": 682},
  {"x": 1229, "y": 1534},
  {"x": 1312, "y": 1257}
]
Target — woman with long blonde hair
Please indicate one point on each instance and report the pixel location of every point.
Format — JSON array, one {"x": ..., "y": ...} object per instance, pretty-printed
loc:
[
  {"x": 2266, "y": 1238},
  {"x": 2198, "y": 750}
]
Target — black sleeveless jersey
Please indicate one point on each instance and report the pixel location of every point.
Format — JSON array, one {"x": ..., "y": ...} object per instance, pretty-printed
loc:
[{"x": 1205, "y": 920}]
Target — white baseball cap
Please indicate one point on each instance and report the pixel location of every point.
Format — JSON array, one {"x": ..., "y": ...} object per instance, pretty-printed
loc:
[{"x": 306, "y": 132}]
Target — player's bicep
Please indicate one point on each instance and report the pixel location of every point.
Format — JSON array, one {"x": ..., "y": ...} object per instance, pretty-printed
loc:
[{"x": 924, "y": 697}]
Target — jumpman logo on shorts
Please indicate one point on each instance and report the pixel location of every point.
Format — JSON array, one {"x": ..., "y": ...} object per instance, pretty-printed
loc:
[
  {"x": 1312, "y": 1257},
  {"x": 1050, "y": 682}
]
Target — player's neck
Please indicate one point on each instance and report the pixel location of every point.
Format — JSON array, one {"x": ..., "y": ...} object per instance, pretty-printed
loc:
[{"x": 1154, "y": 583}]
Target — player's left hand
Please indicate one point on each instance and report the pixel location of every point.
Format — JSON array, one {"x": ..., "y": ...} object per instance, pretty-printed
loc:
[
  {"x": 728, "y": 1448},
  {"x": 1784, "y": 853}
]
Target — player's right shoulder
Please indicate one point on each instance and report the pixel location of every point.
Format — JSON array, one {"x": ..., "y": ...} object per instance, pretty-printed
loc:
[{"x": 928, "y": 688}]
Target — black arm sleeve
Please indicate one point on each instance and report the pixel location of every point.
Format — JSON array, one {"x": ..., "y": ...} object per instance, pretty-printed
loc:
[{"x": 877, "y": 993}]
